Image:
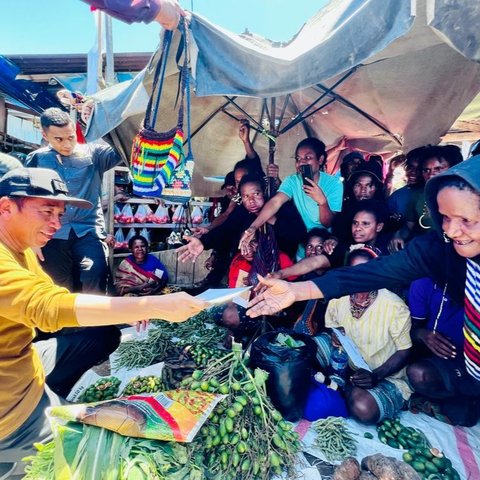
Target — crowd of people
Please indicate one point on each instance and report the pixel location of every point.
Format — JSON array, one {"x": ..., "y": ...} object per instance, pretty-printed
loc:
[
  {"x": 398, "y": 270},
  {"x": 407, "y": 326}
]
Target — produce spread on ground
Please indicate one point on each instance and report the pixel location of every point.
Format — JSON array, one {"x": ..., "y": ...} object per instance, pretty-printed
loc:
[{"x": 179, "y": 383}]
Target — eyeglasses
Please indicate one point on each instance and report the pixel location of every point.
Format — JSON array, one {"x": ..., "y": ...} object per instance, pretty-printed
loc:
[
  {"x": 318, "y": 249},
  {"x": 306, "y": 158},
  {"x": 434, "y": 170}
]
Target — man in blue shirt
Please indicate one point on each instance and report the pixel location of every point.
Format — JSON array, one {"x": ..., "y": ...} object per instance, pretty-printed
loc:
[{"x": 76, "y": 256}]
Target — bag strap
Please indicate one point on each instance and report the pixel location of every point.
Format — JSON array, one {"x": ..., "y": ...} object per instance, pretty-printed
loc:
[
  {"x": 189, "y": 156},
  {"x": 159, "y": 74},
  {"x": 186, "y": 51}
]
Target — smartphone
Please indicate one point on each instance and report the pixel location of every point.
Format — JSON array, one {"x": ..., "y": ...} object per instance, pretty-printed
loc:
[{"x": 306, "y": 171}]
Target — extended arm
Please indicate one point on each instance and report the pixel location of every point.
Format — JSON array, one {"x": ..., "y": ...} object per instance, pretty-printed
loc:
[
  {"x": 304, "y": 266},
  {"x": 165, "y": 12},
  {"x": 419, "y": 259},
  {"x": 267, "y": 212},
  {"x": 95, "y": 310}
]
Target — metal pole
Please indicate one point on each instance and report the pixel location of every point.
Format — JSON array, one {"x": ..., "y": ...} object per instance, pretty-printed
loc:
[{"x": 109, "y": 58}]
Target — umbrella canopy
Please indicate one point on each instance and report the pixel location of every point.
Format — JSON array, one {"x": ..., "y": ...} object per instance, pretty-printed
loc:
[{"x": 374, "y": 75}]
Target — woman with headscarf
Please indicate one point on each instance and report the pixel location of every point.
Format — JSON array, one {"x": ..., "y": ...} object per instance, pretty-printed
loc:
[{"x": 449, "y": 254}]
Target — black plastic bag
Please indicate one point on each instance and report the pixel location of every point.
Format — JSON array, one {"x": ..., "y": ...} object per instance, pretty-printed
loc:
[{"x": 290, "y": 370}]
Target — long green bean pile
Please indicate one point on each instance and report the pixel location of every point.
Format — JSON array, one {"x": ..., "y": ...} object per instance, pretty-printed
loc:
[
  {"x": 166, "y": 341},
  {"x": 334, "y": 439}
]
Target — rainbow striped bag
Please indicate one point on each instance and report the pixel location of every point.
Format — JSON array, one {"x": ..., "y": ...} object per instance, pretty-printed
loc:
[{"x": 156, "y": 155}]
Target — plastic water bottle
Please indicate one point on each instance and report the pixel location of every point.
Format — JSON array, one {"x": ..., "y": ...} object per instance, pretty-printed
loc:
[{"x": 339, "y": 365}]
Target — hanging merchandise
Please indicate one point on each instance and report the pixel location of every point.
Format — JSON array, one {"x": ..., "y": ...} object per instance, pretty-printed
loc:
[
  {"x": 131, "y": 233},
  {"x": 117, "y": 213},
  {"x": 120, "y": 242},
  {"x": 143, "y": 214},
  {"x": 156, "y": 155},
  {"x": 127, "y": 215},
  {"x": 145, "y": 234},
  {"x": 197, "y": 215},
  {"x": 161, "y": 215},
  {"x": 180, "y": 215},
  {"x": 179, "y": 188}
]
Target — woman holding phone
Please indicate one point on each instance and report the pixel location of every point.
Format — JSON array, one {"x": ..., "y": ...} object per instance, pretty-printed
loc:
[{"x": 316, "y": 195}]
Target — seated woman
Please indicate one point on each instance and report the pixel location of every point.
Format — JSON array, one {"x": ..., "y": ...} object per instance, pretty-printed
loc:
[
  {"x": 140, "y": 273},
  {"x": 317, "y": 200},
  {"x": 366, "y": 229},
  {"x": 287, "y": 225},
  {"x": 365, "y": 183},
  {"x": 437, "y": 334},
  {"x": 261, "y": 258},
  {"x": 379, "y": 324}
]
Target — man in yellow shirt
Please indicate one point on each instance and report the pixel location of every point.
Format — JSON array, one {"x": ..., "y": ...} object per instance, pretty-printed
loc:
[{"x": 32, "y": 201}]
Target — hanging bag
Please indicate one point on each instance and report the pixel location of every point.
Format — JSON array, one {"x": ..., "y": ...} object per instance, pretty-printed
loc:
[
  {"x": 156, "y": 155},
  {"x": 179, "y": 187}
]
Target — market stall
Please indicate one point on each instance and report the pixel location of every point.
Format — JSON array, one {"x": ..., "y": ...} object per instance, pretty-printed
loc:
[
  {"x": 348, "y": 78},
  {"x": 176, "y": 404}
]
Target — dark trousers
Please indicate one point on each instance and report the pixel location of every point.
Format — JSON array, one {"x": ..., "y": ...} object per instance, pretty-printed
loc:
[
  {"x": 79, "y": 263},
  {"x": 67, "y": 355},
  {"x": 65, "y": 359}
]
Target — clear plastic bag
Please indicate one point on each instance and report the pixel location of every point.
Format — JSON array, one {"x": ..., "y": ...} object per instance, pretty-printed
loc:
[
  {"x": 161, "y": 215},
  {"x": 120, "y": 240},
  {"x": 142, "y": 214},
  {"x": 145, "y": 233},
  {"x": 126, "y": 215},
  {"x": 179, "y": 216},
  {"x": 197, "y": 215},
  {"x": 131, "y": 233},
  {"x": 117, "y": 213}
]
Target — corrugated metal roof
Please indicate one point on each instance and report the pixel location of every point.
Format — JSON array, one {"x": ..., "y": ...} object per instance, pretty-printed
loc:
[{"x": 74, "y": 63}]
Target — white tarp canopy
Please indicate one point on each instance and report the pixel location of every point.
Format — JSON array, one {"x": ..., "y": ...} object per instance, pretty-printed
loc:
[{"x": 377, "y": 75}]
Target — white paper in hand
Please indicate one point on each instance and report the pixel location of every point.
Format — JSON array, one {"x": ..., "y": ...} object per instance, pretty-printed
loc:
[
  {"x": 217, "y": 296},
  {"x": 352, "y": 350}
]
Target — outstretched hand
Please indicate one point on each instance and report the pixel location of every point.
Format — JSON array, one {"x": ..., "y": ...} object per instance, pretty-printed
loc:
[
  {"x": 244, "y": 130},
  {"x": 191, "y": 250},
  {"x": 170, "y": 13},
  {"x": 183, "y": 306},
  {"x": 272, "y": 296},
  {"x": 247, "y": 237}
]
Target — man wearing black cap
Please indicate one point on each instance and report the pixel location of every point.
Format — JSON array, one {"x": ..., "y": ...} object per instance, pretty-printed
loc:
[{"x": 32, "y": 202}]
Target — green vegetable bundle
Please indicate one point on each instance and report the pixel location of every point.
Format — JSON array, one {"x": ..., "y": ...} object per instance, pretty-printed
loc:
[
  {"x": 393, "y": 433},
  {"x": 167, "y": 340},
  {"x": 283, "y": 340},
  {"x": 431, "y": 463},
  {"x": 103, "y": 389},
  {"x": 334, "y": 439},
  {"x": 41, "y": 465},
  {"x": 202, "y": 354},
  {"x": 245, "y": 414},
  {"x": 147, "y": 384},
  {"x": 84, "y": 452}
]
